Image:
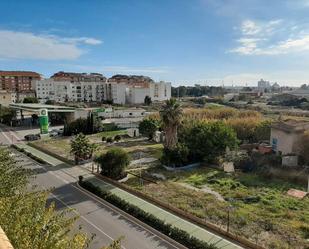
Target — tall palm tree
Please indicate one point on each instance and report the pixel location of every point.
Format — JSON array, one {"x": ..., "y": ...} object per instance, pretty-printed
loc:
[{"x": 171, "y": 114}]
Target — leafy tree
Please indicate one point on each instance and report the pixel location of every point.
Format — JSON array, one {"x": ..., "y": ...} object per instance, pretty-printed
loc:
[
  {"x": 30, "y": 100},
  {"x": 113, "y": 162},
  {"x": 147, "y": 100},
  {"x": 262, "y": 131},
  {"x": 27, "y": 218},
  {"x": 148, "y": 127},
  {"x": 81, "y": 148},
  {"x": 6, "y": 115},
  {"x": 13, "y": 177},
  {"x": 207, "y": 140},
  {"x": 177, "y": 156},
  {"x": 171, "y": 114}
]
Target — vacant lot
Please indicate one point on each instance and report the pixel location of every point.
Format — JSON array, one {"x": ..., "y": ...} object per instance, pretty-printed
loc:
[
  {"x": 137, "y": 148},
  {"x": 259, "y": 208}
]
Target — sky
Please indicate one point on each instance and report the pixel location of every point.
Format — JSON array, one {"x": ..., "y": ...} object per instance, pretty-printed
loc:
[{"x": 189, "y": 42}]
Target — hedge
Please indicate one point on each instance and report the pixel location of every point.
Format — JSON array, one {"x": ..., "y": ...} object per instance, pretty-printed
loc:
[
  {"x": 39, "y": 160},
  {"x": 173, "y": 232}
]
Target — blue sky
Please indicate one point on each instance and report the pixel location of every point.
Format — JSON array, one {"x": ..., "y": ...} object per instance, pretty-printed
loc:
[{"x": 182, "y": 41}]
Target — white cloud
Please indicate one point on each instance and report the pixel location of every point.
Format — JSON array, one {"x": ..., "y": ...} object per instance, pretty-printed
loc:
[
  {"x": 249, "y": 27},
  {"x": 261, "y": 39},
  {"x": 26, "y": 45}
]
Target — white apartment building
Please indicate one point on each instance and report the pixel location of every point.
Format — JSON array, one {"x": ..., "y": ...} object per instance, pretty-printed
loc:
[
  {"x": 157, "y": 91},
  {"x": 160, "y": 91},
  {"x": 65, "y": 90},
  {"x": 115, "y": 92}
]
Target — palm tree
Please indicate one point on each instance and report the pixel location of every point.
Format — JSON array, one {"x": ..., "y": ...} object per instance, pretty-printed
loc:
[
  {"x": 81, "y": 148},
  {"x": 171, "y": 114}
]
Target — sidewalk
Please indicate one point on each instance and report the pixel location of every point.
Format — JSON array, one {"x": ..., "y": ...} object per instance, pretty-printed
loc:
[{"x": 168, "y": 217}]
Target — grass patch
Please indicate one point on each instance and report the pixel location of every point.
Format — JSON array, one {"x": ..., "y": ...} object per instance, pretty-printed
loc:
[{"x": 260, "y": 206}]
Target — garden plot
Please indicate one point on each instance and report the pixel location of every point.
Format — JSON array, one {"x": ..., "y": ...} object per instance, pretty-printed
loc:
[{"x": 259, "y": 208}]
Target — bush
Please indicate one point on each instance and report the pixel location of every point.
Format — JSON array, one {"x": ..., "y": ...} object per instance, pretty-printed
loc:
[
  {"x": 103, "y": 138},
  {"x": 81, "y": 148},
  {"x": 173, "y": 232},
  {"x": 148, "y": 127},
  {"x": 113, "y": 163},
  {"x": 117, "y": 138},
  {"x": 177, "y": 156},
  {"x": 109, "y": 140},
  {"x": 207, "y": 140},
  {"x": 110, "y": 127}
]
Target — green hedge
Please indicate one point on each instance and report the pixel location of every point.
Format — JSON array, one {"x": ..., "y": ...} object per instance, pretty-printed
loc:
[
  {"x": 173, "y": 232},
  {"x": 39, "y": 160}
]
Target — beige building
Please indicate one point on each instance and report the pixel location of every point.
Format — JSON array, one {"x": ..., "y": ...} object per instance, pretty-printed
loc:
[
  {"x": 286, "y": 136},
  {"x": 7, "y": 98}
]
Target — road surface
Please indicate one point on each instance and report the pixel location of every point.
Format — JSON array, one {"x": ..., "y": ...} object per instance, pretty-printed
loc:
[{"x": 96, "y": 217}]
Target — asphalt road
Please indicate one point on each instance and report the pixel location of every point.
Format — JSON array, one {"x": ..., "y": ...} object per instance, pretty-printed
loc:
[{"x": 95, "y": 216}]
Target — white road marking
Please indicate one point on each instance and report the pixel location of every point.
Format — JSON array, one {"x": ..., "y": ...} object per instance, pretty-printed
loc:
[
  {"x": 97, "y": 199},
  {"x": 85, "y": 219},
  {"x": 5, "y": 136}
]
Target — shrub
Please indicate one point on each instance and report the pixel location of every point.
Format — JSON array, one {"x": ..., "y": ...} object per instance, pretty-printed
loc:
[
  {"x": 109, "y": 140},
  {"x": 117, "y": 138},
  {"x": 177, "y": 156},
  {"x": 148, "y": 127},
  {"x": 81, "y": 148},
  {"x": 113, "y": 162},
  {"x": 103, "y": 138},
  {"x": 207, "y": 140},
  {"x": 173, "y": 232}
]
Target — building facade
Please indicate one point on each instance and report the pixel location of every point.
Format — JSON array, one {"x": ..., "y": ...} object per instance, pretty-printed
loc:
[
  {"x": 19, "y": 82},
  {"x": 7, "y": 98},
  {"x": 286, "y": 136},
  {"x": 66, "y": 91},
  {"x": 120, "y": 89}
]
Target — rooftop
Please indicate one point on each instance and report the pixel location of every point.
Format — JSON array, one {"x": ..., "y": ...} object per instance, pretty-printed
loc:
[
  {"x": 292, "y": 125},
  {"x": 20, "y": 73},
  {"x": 36, "y": 107}
]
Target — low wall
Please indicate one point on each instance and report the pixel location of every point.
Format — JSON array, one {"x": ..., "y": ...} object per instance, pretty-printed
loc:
[{"x": 189, "y": 217}]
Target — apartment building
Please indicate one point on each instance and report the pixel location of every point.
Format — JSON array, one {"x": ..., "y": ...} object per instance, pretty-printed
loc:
[
  {"x": 19, "y": 82},
  {"x": 157, "y": 91},
  {"x": 82, "y": 87},
  {"x": 160, "y": 91},
  {"x": 64, "y": 91}
]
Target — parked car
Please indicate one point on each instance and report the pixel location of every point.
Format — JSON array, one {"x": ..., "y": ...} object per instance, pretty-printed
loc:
[
  {"x": 56, "y": 132},
  {"x": 32, "y": 137},
  {"x": 53, "y": 133}
]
